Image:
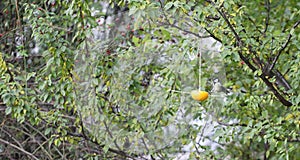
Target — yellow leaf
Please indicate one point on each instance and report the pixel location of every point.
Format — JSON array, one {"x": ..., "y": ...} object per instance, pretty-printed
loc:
[{"x": 289, "y": 116}]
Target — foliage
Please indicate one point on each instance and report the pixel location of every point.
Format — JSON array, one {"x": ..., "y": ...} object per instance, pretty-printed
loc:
[{"x": 88, "y": 80}]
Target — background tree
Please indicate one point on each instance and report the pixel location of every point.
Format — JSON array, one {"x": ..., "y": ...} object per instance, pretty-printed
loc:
[{"x": 86, "y": 79}]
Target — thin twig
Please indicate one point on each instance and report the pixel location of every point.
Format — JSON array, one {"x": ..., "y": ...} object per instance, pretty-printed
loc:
[
  {"x": 283, "y": 46},
  {"x": 179, "y": 92},
  {"x": 143, "y": 140},
  {"x": 212, "y": 35},
  {"x": 231, "y": 124},
  {"x": 18, "y": 148},
  {"x": 179, "y": 28},
  {"x": 19, "y": 19},
  {"x": 268, "y": 8},
  {"x": 187, "y": 31},
  {"x": 9, "y": 135},
  {"x": 266, "y": 148},
  {"x": 40, "y": 145}
]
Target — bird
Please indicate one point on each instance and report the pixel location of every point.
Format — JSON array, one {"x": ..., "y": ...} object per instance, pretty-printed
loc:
[{"x": 218, "y": 87}]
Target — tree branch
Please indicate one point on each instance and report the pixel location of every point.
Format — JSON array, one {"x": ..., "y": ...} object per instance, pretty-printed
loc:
[
  {"x": 231, "y": 124},
  {"x": 266, "y": 148},
  {"x": 40, "y": 145},
  {"x": 240, "y": 45},
  {"x": 297, "y": 140},
  {"x": 283, "y": 46},
  {"x": 12, "y": 137},
  {"x": 18, "y": 148},
  {"x": 212, "y": 35}
]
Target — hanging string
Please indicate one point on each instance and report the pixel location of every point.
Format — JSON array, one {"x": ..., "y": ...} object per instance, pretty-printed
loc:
[{"x": 200, "y": 66}]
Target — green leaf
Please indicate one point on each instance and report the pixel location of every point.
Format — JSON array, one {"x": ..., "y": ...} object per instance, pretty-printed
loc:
[
  {"x": 8, "y": 110},
  {"x": 132, "y": 10},
  {"x": 105, "y": 148},
  {"x": 168, "y": 5},
  {"x": 48, "y": 130},
  {"x": 57, "y": 142},
  {"x": 135, "y": 40}
]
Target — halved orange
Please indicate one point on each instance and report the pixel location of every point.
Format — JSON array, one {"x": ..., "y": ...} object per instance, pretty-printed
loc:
[{"x": 199, "y": 95}]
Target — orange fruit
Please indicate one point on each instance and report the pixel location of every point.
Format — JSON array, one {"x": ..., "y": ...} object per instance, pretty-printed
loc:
[{"x": 199, "y": 95}]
